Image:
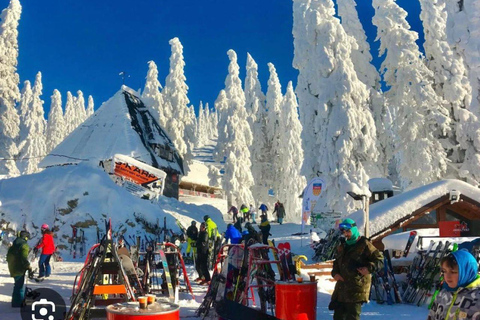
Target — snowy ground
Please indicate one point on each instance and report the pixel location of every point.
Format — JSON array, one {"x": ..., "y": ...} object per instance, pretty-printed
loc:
[{"x": 64, "y": 273}]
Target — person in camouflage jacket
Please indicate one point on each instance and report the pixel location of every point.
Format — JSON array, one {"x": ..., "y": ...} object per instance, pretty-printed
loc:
[
  {"x": 355, "y": 261},
  {"x": 460, "y": 295}
]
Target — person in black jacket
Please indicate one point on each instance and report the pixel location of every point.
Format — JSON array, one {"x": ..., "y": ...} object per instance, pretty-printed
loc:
[
  {"x": 192, "y": 236},
  {"x": 265, "y": 228},
  {"x": 202, "y": 255}
]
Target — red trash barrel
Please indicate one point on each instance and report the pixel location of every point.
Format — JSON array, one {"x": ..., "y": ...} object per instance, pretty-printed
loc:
[
  {"x": 156, "y": 311},
  {"x": 296, "y": 300}
]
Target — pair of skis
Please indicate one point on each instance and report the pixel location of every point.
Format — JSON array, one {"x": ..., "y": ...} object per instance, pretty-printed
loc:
[{"x": 286, "y": 260}]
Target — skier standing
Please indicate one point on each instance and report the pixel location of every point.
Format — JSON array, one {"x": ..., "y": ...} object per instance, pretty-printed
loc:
[
  {"x": 275, "y": 209},
  {"x": 356, "y": 260},
  {"x": 245, "y": 211},
  {"x": 238, "y": 225},
  {"x": 192, "y": 235},
  {"x": 460, "y": 293},
  {"x": 265, "y": 228},
  {"x": 234, "y": 212},
  {"x": 253, "y": 213},
  {"x": 280, "y": 213},
  {"x": 202, "y": 255},
  {"x": 264, "y": 209},
  {"x": 17, "y": 258},
  {"x": 48, "y": 248},
  {"x": 232, "y": 234}
]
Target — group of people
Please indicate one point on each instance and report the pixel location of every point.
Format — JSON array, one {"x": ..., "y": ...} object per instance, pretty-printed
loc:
[
  {"x": 19, "y": 264},
  {"x": 248, "y": 214},
  {"x": 357, "y": 259}
]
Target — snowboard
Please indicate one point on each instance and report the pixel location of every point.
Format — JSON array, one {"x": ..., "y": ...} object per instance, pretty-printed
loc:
[
  {"x": 288, "y": 257},
  {"x": 283, "y": 261},
  {"x": 171, "y": 294},
  {"x": 234, "y": 266}
]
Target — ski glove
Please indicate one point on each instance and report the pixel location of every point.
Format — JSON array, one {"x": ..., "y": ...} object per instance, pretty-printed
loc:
[{"x": 35, "y": 251}]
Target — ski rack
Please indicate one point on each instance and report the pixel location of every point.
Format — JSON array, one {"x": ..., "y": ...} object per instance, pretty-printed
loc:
[
  {"x": 256, "y": 261},
  {"x": 101, "y": 263}
]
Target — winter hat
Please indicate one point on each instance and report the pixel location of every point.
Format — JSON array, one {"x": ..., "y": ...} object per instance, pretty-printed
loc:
[
  {"x": 467, "y": 269},
  {"x": 24, "y": 235},
  {"x": 353, "y": 228},
  {"x": 44, "y": 226}
]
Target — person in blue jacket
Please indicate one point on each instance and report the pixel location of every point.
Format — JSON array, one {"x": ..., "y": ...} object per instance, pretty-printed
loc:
[{"x": 233, "y": 234}]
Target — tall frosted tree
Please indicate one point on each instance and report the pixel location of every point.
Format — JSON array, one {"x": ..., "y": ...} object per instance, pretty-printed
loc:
[
  {"x": 9, "y": 92},
  {"x": 222, "y": 110},
  {"x": 153, "y": 98},
  {"x": 259, "y": 151},
  {"x": 90, "y": 107},
  {"x": 81, "y": 114},
  {"x": 34, "y": 147},
  {"x": 273, "y": 105},
  {"x": 338, "y": 128},
  {"x": 175, "y": 94},
  {"x": 420, "y": 117},
  {"x": 70, "y": 114},
  {"x": 23, "y": 108},
  {"x": 237, "y": 179},
  {"x": 463, "y": 27},
  {"x": 202, "y": 127},
  {"x": 289, "y": 183},
  {"x": 452, "y": 84},
  {"x": 56, "y": 123}
]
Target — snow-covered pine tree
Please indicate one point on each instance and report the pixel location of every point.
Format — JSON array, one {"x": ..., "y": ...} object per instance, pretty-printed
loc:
[
  {"x": 289, "y": 183},
  {"x": 368, "y": 74},
  {"x": 222, "y": 110},
  {"x": 257, "y": 118},
  {"x": 9, "y": 94},
  {"x": 153, "y": 98},
  {"x": 420, "y": 118},
  {"x": 34, "y": 147},
  {"x": 80, "y": 108},
  {"x": 56, "y": 123},
  {"x": 338, "y": 128},
  {"x": 237, "y": 179},
  {"x": 175, "y": 94},
  {"x": 201, "y": 128},
  {"x": 463, "y": 27},
  {"x": 23, "y": 108},
  {"x": 70, "y": 114},
  {"x": 274, "y": 126},
  {"x": 90, "y": 107},
  {"x": 452, "y": 84},
  {"x": 213, "y": 116}
]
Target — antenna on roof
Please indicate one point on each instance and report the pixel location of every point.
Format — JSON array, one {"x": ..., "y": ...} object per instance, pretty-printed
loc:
[{"x": 124, "y": 75}]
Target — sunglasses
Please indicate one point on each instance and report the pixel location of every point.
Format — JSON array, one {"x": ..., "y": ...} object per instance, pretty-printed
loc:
[{"x": 345, "y": 226}]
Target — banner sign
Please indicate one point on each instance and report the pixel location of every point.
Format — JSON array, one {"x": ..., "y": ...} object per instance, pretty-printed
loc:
[{"x": 310, "y": 196}]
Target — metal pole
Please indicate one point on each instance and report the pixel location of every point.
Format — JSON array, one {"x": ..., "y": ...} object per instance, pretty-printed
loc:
[{"x": 366, "y": 217}]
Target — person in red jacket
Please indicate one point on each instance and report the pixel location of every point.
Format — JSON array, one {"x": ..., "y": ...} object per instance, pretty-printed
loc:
[{"x": 48, "y": 248}]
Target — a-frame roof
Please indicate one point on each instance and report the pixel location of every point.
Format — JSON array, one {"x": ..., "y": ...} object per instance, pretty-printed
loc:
[
  {"x": 389, "y": 214},
  {"x": 122, "y": 125}
]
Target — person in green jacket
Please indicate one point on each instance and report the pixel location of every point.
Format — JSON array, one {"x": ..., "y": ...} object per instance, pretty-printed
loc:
[
  {"x": 355, "y": 261},
  {"x": 17, "y": 258}
]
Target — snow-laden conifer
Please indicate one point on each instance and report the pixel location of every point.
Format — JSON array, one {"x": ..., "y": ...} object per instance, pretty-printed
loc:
[
  {"x": 259, "y": 150},
  {"x": 70, "y": 114},
  {"x": 80, "y": 109},
  {"x": 273, "y": 106},
  {"x": 23, "y": 108},
  {"x": 419, "y": 114},
  {"x": 90, "y": 107},
  {"x": 175, "y": 94},
  {"x": 452, "y": 84},
  {"x": 56, "y": 123},
  {"x": 463, "y": 25},
  {"x": 289, "y": 183},
  {"x": 202, "y": 127},
  {"x": 153, "y": 98},
  {"x": 338, "y": 128},
  {"x": 237, "y": 179},
  {"x": 33, "y": 148},
  {"x": 9, "y": 92}
]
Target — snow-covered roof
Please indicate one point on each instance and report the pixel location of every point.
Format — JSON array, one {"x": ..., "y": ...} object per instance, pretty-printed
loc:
[
  {"x": 122, "y": 125},
  {"x": 198, "y": 174},
  {"x": 385, "y": 213},
  {"x": 380, "y": 184}
]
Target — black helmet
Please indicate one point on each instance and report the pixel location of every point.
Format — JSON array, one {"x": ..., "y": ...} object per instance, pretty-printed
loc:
[
  {"x": 194, "y": 222},
  {"x": 248, "y": 225},
  {"x": 206, "y": 217},
  {"x": 25, "y": 235}
]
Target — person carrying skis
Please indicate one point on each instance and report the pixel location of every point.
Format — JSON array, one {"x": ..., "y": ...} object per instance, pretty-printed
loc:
[
  {"x": 192, "y": 235},
  {"x": 234, "y": 212},
  {"x": 264, "y": 209},
  {"x": 202, "y": 255},
  {"x": 356, "y": 260},
  {"x": 265, "y": 228},
  {"x": 232, "y": 234},
  {"x": 280, "y": 213},
  {"x": 17, "y": 258},
  {"x": 48, "y": 248},
  {"x": 460, "y": 293}
]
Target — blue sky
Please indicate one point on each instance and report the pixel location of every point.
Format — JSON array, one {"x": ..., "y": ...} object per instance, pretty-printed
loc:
[{"x": 83, "y": 45}]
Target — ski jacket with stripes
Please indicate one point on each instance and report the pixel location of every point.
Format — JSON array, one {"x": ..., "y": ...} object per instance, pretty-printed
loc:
[
  {"x": 356, "y": 287},
  {"x": 47, "y": 244},
  {"x": 463, "y": 303}
]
